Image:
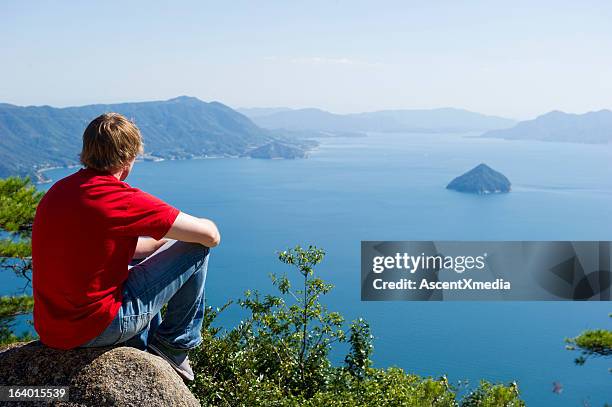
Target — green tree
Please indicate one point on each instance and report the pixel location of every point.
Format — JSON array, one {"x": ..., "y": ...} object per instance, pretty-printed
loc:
[
  {"x": 18, "y": 201},
  {"x": 591, "y": 343},
  {"x": 295, "y": 328},
  {"x": 279, "y": 355},
  {"x": 358, "y": 359}
]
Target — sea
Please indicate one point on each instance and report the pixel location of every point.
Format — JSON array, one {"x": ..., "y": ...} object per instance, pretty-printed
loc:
[{"x": 392, "y": 187}]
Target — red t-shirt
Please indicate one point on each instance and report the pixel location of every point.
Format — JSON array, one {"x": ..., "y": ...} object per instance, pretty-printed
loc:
[{"x": 84, "y": 236}]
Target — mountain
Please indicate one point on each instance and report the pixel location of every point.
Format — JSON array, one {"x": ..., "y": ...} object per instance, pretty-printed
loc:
[
  {"x": 592, "y": 127},
  {"x": 425, "y": 120},
  {"x": 260, "y": 111},
  {"x": 481, "y": 179},
  {"x": 35, "y": 137}
]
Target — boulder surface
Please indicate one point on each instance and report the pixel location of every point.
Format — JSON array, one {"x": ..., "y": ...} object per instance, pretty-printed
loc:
[{"x": 109, "y": 376}]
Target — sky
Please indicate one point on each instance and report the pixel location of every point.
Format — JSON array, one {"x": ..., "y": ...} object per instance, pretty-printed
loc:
[{"x": 515, "y": 59}]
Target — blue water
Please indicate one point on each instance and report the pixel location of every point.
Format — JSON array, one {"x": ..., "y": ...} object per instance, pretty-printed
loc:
[{"x": 391, "y": 187}]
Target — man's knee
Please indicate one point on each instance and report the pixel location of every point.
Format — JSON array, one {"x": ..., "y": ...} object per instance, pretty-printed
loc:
[
  {"x": 197, "y": 251},
  {"x": 189, "y": 247}
]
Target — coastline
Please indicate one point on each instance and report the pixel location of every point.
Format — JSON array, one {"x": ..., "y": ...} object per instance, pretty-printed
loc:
[
  {"x": 41, "y": 178},
  {"x": 39, "y": 173}
]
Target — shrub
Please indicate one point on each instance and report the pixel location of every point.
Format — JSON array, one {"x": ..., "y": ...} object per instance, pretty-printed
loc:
[{"x": 278, "y": 356}]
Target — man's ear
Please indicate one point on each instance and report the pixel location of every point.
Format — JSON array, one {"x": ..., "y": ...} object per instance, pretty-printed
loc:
[{"x": 125, "y": 172}]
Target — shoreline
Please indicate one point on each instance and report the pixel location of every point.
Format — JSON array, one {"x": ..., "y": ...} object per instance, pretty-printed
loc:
[
  {"x": 39, "y": 173},
  {"x": 41, "y": 178}
]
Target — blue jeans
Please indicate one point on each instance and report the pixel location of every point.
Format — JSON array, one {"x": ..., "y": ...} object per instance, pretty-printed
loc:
[{"x": 175, "y": 275}]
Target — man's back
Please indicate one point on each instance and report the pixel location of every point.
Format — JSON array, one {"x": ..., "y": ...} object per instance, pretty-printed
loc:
[{"x": 84, "y": 235}]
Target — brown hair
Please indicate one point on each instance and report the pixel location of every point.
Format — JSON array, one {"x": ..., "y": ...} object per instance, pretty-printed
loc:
[{"x": 110, "y": 141}]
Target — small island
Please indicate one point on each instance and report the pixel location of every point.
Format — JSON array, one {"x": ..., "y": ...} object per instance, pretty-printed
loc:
[
  {"x": 277, "y": 150},
  {"x": 481, "y": 180}
]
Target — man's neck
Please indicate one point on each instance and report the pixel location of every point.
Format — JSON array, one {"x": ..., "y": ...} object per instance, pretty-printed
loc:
[{"x": 117, "y": 174}]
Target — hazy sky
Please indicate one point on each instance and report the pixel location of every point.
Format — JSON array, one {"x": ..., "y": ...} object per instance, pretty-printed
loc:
[{"x": 515, "y": 58}]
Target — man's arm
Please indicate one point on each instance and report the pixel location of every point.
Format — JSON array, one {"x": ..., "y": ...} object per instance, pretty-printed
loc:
[
  {"x": 188, "y": 228},
  {"x": 147, "y": 246}
]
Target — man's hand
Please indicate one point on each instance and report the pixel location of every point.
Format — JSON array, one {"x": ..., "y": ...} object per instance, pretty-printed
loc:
[
  {"x": 147, "y": 246},
  {"x": 187, "y": 228}
]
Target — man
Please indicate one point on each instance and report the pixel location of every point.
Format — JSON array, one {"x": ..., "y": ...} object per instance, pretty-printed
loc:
[{"x": 89, "y": 227}]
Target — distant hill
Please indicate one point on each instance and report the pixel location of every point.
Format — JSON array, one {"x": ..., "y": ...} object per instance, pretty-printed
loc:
[
  {"x": 35, "y": 137},
  {"x": 260, "y": 111},
  {"x": 424, "y": 120},
  {"x": 592, "y": 127},
  {"x": 275, "y": 149}
]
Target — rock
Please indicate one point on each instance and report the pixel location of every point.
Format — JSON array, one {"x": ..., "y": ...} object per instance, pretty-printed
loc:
[
  {"x": 481, "y": 179},
  {"x": 110, "y": 376}
]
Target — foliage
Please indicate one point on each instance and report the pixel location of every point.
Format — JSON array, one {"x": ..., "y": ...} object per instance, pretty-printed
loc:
[
  {"x": 489, "y": 395},
  {"x": 358, "y": 359},
  {"x": 10, "y": 308},
  {"x": 384, "y": 387},
  {"x": 18, "y": 201},
  {"x": 278, "y": 356},
  {"x": 591, "y": 343}
]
